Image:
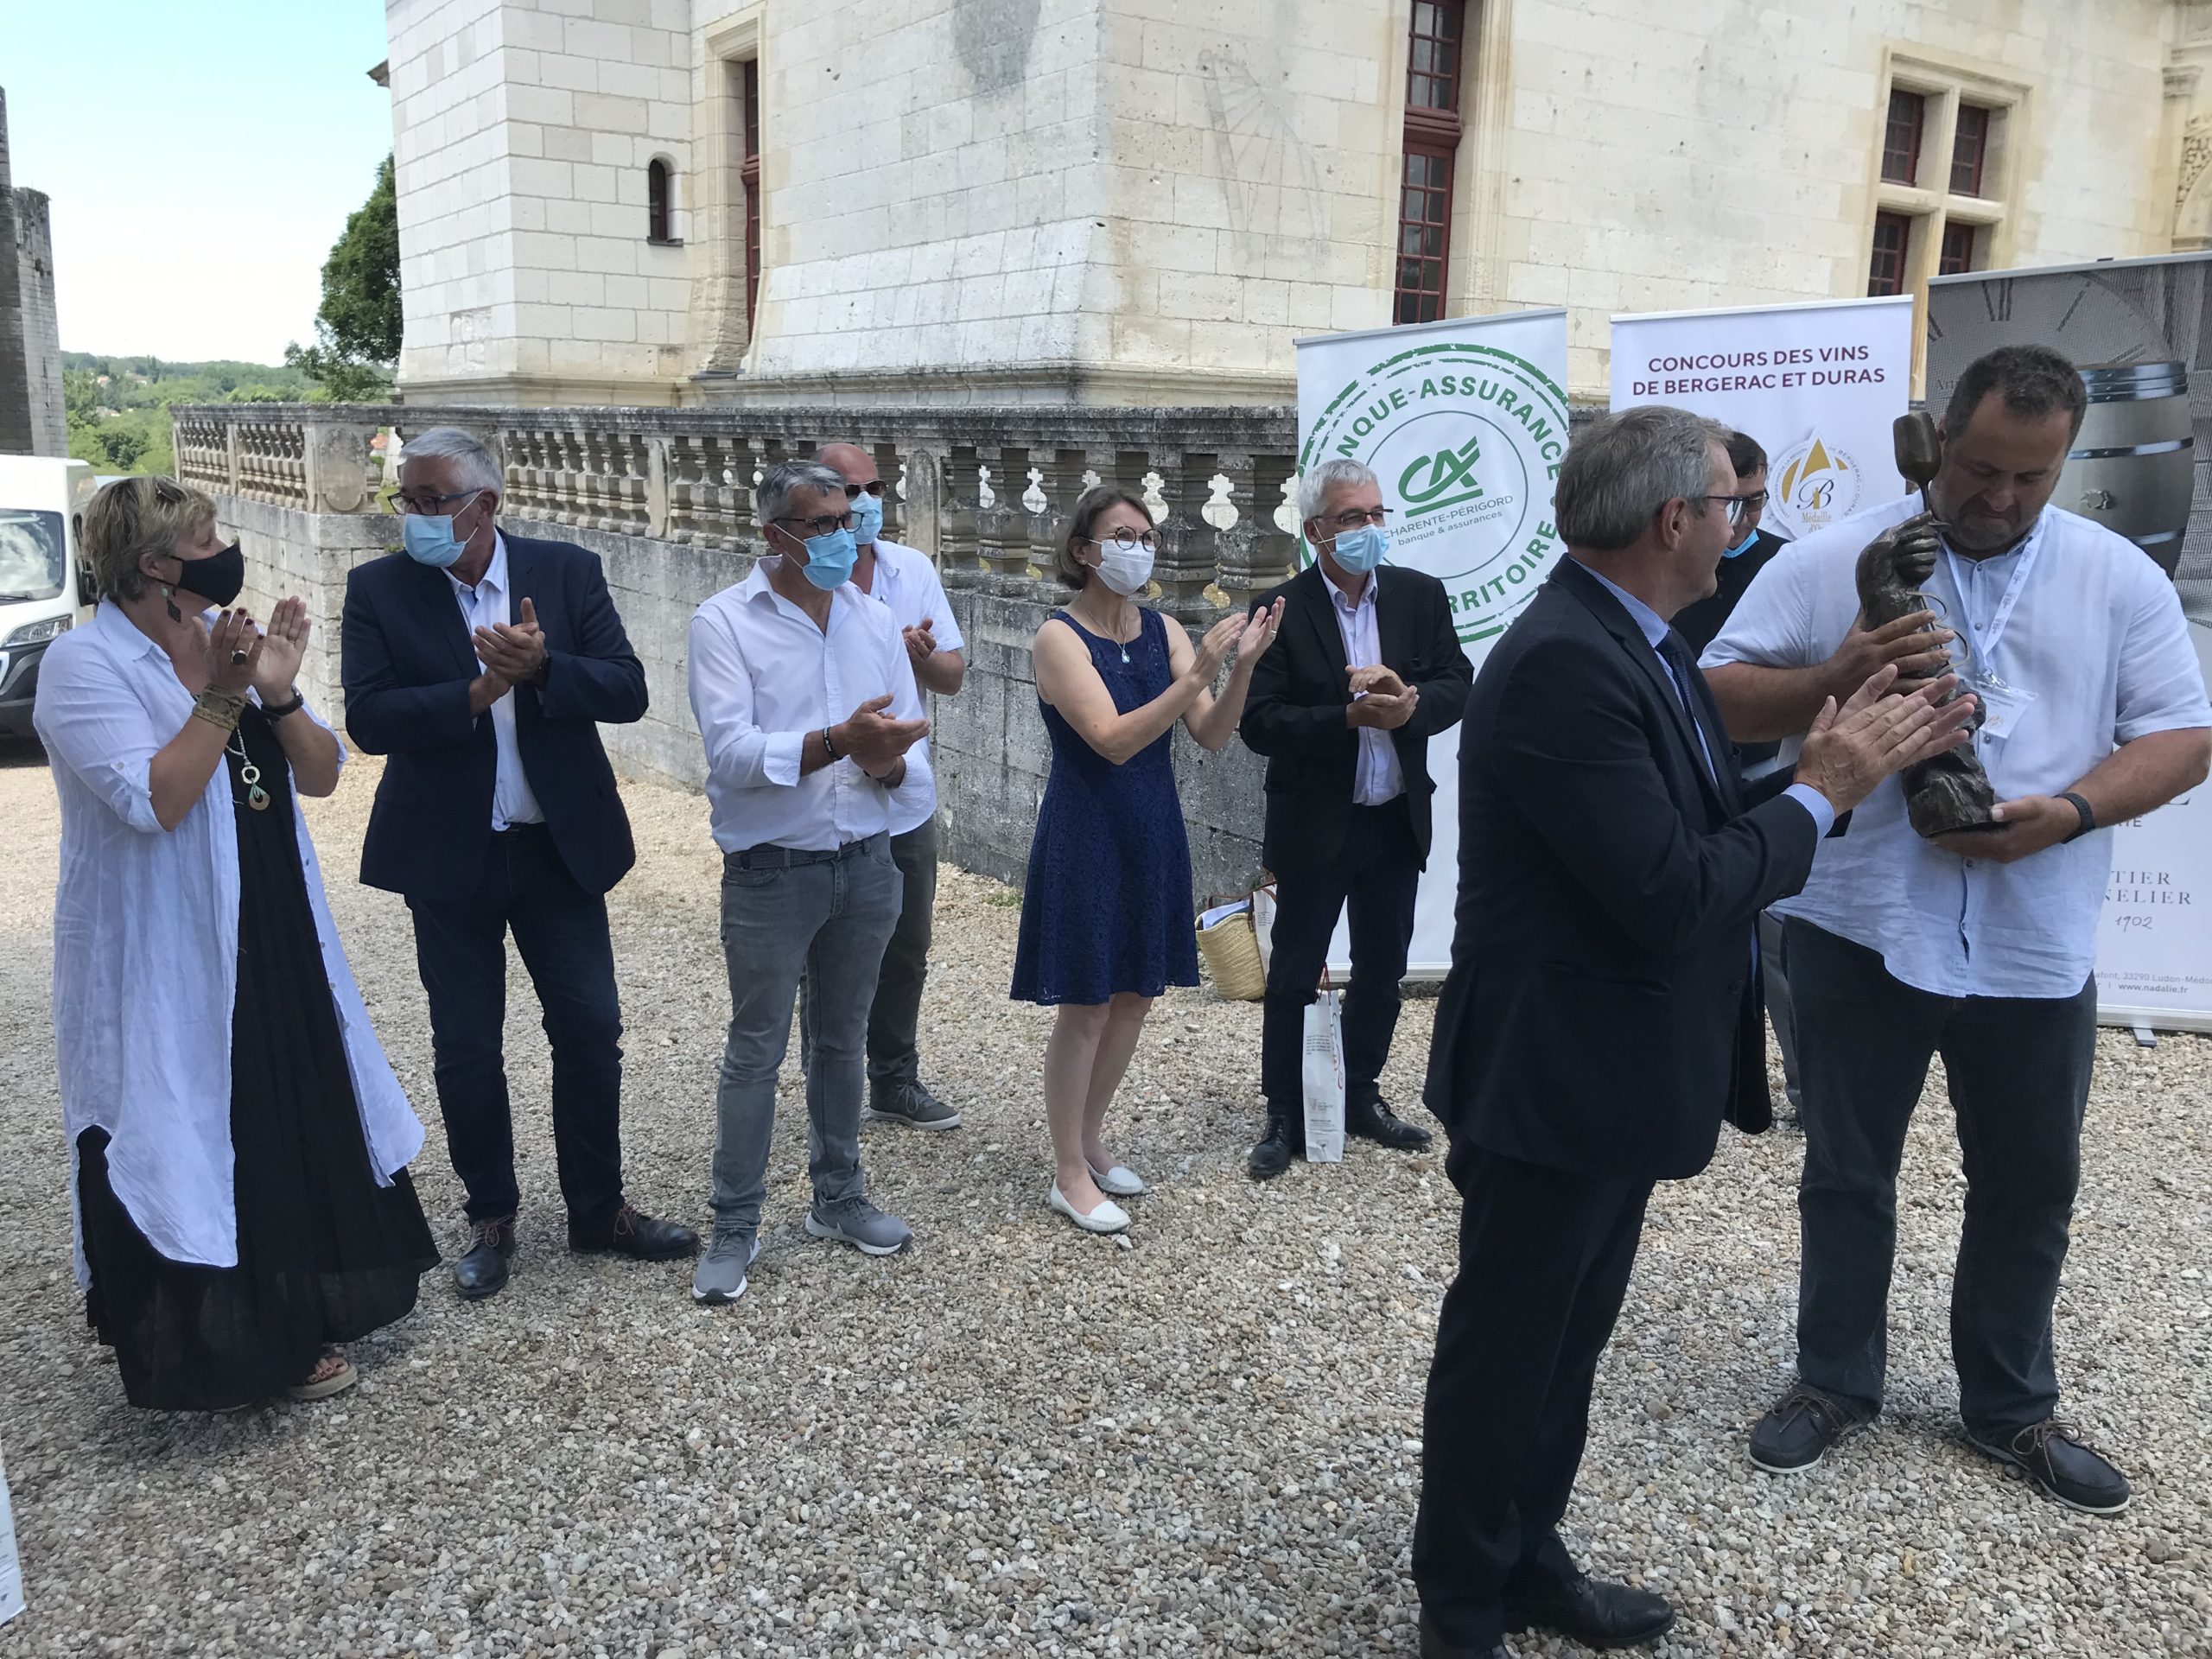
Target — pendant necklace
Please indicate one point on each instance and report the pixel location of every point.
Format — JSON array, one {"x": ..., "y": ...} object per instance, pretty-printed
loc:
[{"x": 249, "y": 774}]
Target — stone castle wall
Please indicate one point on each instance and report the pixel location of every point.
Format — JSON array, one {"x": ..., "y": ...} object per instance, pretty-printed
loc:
[
  {"x": 41, "y": 324},
  {"x": 1147, "y": 200},
  {"x": 16, "y": 423}
]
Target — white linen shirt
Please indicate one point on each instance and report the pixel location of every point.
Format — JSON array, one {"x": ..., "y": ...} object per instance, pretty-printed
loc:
[
  {"x": 905, "y": 581},
  {"x": 762, "y": 677},
  {"x": 484, "y": 606},
  {"x": 146, "y": 952},
  {"x": 1377, "y": 777},
  {"x": 2097, "y": 636}
]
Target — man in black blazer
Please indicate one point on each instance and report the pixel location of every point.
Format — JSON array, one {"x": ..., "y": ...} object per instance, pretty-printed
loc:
[
  {"x": 1602, "y": 1013},
  {"x": 1367, "y": 668},
  {"x": 481, "y": 664}
]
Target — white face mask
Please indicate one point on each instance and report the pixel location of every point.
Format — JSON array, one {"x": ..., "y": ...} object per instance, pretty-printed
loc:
[{"x": 1125, "y": 569}]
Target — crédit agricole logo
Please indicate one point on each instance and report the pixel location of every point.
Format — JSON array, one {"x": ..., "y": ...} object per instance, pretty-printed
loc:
[{"x": 1467, "y": 441}]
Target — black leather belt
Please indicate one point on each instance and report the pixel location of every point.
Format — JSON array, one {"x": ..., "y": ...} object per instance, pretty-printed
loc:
[{"x": 769, "y": 856}]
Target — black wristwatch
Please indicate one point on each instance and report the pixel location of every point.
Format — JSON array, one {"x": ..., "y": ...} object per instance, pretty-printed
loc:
[
  {"x": 2089, "y": 814},
  {"x": 276, "y": 711}
]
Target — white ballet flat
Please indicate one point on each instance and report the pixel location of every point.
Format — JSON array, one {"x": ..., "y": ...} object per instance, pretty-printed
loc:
[
  {"x": 1119, "y": 1182},
  {"x": 1108, "y": 1218}
]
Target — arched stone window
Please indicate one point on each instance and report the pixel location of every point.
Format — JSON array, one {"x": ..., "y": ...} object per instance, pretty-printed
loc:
[{"x": 660, "y": 200}]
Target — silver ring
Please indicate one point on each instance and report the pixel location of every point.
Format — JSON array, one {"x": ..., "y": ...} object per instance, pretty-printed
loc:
[{"x": 238, "y": 657}]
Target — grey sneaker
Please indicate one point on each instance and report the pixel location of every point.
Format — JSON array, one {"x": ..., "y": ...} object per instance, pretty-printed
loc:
[
  {"x": 912, "y": 1104},
  {"x": 860, "y": 1224},
  {"x": 720, "y": 1276}
]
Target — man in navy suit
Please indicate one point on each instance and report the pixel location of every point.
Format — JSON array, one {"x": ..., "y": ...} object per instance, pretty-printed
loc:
[
  {"x": 481, "y": 664},
  {"x": 1602, "y": 1014}
]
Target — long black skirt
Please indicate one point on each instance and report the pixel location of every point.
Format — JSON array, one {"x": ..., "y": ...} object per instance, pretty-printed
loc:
[{"x": 326, "y": 1255}]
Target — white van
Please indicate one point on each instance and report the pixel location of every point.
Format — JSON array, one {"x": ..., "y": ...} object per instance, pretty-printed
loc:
[{"x": 45, "y": 588}]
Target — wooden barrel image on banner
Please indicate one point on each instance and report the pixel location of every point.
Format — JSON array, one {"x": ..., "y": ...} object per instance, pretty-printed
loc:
[{"x": 2134, "y": 467}]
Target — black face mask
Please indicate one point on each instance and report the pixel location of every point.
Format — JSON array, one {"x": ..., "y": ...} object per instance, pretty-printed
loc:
[{"x": 218, "y": 578}]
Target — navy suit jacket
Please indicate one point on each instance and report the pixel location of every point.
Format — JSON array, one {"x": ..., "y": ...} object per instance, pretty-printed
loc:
[
  {"x": 1601, "y": 1015},
  {"x": 407, "y": 662}
]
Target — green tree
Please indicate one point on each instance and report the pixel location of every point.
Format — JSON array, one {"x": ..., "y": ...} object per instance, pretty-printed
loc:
[{"x": 358, "y": 327}]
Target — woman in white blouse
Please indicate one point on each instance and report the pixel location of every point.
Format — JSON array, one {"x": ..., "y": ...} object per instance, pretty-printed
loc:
[{"x": 240, "y": 1142}]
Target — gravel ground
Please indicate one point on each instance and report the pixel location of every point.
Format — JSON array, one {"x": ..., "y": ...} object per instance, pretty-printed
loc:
[{"x": 1017, "y": 1439}]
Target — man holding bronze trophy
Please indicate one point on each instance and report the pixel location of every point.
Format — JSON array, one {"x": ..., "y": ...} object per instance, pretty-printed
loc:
[{"x": 1958, "y": 914}]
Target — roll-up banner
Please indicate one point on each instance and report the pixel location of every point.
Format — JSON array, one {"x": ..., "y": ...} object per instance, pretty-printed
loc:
[
  {"x": 1465, "y": 422},
  {"x": 1817, "y": 385}
]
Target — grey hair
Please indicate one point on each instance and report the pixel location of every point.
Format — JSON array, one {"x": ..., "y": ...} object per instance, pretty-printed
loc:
[
  {"x": 772, "y": 498},
  {"x": 474, "y": 465},
  {"x": 1339, "y": 470},
  {"x": 1624, "y": 468}
]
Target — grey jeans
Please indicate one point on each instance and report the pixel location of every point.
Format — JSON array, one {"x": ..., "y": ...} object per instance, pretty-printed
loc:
[{"x": 826, "y": 916}]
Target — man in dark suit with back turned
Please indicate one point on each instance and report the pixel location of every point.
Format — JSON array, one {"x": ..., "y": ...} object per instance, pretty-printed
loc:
[
  {"x": 480, "y": 664},
  {"x": 1367, "y": 670},
  {"x": 1602, "y": 1013}
]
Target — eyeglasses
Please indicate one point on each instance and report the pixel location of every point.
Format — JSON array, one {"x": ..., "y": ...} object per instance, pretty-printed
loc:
[
  {"x": 402, "y": 505},
  {"x": 1354, "y": 518},
  {"x": 874, "y": 486},
  {"x": 1126, "y": 538},
  {"x": 827, "y": 525},
  {"x": 1755, "y": 502},
  {"x": 1734, "y": 507}
]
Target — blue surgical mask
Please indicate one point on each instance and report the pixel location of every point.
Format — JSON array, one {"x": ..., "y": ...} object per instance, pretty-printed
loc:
[
  {"x": 1359, "y": 551},
  {"x": 829, "y": 559},
  {"x": 1742, "y": 546},
  {"x": 868, "y": 518},
  {"x": 429, "y": 538}
]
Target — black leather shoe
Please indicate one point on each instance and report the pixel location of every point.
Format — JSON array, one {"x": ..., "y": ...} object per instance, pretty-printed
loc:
[
  {"x": 483, "y": 1270},
  {"x": 1433, "y": 1646},
  {"x": 2052, "y": 1454},
  {"x": 633, "y": 1232},
  {"x": 1594, "y": 1612},
  {"x": 1375, "y": 1120},
  {"x": 1797, "y": 1432},
  {"x": 1276, "y": 1151}
]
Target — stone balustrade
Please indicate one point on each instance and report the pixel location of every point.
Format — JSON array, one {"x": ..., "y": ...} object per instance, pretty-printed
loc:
[
  {"x": 983, "y": 490},
  {"x": 665, "y": 497}
]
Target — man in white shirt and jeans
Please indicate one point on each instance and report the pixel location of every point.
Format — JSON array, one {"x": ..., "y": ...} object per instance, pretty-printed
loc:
[
  {"x": 794, "y": 677},
  {"x": 904, "y": 580},
  {"x": 1976, "y": 946}
]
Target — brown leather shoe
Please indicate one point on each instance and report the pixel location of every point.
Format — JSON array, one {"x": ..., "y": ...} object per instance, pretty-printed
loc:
[{"x": 483, "y": 1270}]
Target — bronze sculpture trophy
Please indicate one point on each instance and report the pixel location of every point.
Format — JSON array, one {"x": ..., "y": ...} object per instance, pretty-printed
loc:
[{"x": 1949, "y": 791}]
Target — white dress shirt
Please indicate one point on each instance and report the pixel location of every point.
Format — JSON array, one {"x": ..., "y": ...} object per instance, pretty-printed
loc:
[
  {"x": 1378, "y": 777},
  {"x": 2096, "y": 634},
  {"x": 762, "y": 677},
  {"x": 905, "y": 581},
  {"x": 146, "y": 951},
  {"x": 485, "y": 605}
]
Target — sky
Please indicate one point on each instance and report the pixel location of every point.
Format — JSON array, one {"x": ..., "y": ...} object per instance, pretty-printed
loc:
[{"x": 201, "y": 156}]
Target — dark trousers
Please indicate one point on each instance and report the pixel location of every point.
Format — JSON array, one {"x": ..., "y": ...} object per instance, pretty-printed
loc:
[
  {"x": 893, "y": 1054},
  {"x": 1773, "y": 978},
  {"x": 1376, "y": 876},
  {"x": 1544, "y": 1261},
  {"x": 2018, "y": 1072},
  {"x": 461, "y": 951}
]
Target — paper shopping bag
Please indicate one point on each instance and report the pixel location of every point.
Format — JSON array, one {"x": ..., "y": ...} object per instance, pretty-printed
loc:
[{"x": 1323, "y": 1078}]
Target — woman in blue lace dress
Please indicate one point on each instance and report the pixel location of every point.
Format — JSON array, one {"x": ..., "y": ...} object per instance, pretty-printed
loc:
[{"x": 1106, "y": 918}]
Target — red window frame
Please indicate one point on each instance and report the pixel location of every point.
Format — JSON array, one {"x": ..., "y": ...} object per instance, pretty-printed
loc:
[
  {"x": 749, "y": 173},
  {"x": 1957, "y": 252},
  {"x": 1969, "y": 150},
  {"x": 1901, "y": 137},
  {"x": 1435, "y": 37},
  {"x": 1885, "y": 268}
]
